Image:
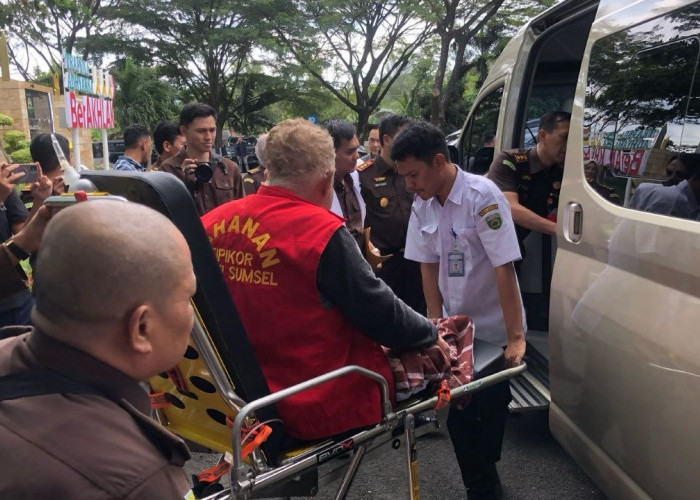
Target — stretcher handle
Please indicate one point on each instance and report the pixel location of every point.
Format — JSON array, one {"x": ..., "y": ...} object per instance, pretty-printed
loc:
[{"x": 238, "y": 469}]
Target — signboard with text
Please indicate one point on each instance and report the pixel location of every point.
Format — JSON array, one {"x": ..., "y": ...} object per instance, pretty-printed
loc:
[
  {"x": 95, "y": 108},
  {"x": 627, "y": 151}
]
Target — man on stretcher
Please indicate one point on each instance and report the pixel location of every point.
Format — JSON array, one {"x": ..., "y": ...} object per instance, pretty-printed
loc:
[{"x": 309, "y": 301}]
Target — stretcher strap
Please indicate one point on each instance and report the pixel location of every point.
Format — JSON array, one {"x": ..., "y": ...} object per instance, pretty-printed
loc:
[
  {"x": 159, "y": 400},
  {"x": 253, "y": 437},
  {"x": 258, "y": 432},
  {"x": 176, "y": 378},
  {"x": 213, "y": 474},
  {"x": 443, "y": 395},
  {"x": 259, "y": 435}
]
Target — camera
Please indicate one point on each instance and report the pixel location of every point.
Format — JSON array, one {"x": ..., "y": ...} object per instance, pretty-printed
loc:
[{"x": 203, "y": 172}]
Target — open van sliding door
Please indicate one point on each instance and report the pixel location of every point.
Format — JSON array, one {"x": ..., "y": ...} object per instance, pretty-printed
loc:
[
  {"x": 545, "y": 80},
  {"x": 536, "y": 72},
  {"x": 625, "y": 308}
]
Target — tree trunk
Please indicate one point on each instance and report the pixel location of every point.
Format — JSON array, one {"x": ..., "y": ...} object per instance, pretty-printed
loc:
[
  {"x": 436, "y": 94},
  {"x": 454, "y": 78}
]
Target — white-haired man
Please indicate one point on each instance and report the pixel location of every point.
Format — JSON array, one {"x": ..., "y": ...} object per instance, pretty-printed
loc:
[{"x": 308, "y": 300}]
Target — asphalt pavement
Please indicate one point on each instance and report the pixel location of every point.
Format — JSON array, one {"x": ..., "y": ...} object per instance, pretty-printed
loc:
[{"x": 533, "y": 467}]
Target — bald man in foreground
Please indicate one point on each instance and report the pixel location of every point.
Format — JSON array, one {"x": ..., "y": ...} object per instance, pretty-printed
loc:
[{"x": 110, "y": 312}]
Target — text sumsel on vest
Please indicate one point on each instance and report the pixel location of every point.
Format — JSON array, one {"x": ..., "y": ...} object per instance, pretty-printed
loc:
[{"x": 240, "y": 265}]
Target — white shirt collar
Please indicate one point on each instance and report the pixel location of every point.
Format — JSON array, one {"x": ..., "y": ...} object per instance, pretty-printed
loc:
[{"x": 457, "y": 192}]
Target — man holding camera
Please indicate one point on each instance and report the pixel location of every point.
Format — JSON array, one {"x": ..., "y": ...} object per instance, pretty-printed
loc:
[{"x": 212, "y": 179}]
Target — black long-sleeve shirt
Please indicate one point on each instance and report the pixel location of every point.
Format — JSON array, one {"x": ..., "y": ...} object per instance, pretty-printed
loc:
[{"x": 345, "y": 280}]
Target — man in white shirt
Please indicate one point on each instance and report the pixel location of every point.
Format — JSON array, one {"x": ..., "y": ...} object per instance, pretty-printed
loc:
[
  {"x": 462, "y": 233},
  {"x": 347, "y": 200}
]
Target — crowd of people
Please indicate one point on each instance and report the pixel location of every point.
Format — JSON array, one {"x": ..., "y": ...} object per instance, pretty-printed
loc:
[{"x": 318, "y": 216}]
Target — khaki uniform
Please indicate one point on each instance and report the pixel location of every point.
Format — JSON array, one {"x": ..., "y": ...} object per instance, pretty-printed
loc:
[
  {"x": 252, "y": 180},
  {"x": 388, "y": 211},
  {"x": 85, "y": 446},
  {"x": 226, "y": 183},
  {"x": 538, "y": 188},
  {"x": 350, "y": 208}
]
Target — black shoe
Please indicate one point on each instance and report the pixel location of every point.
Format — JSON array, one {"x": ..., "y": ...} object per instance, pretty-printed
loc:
[
  {"x": 493, "y": 492},
  {"x": 485, "y": 485}
]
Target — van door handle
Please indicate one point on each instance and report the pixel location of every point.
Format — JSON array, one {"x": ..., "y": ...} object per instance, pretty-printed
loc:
[{"x": 573, "y": 222}]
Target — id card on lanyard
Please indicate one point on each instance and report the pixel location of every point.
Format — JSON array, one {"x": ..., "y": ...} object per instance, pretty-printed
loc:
[{"x": 455, "y": 259}]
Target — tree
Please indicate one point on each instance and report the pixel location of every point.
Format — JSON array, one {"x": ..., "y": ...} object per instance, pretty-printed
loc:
[
  {"x": 411, "y": 90},
  {"x": 355, "y": 48},
  {"x": 43, "y": 30},
  {"x": 203, "y": 47},
  {"x": 458, "y": 25},
  {"x": 249, "y": 112},
  {"x": 141, "y": 96}
]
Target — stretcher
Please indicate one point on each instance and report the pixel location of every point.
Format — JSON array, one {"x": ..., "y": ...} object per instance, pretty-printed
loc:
[{"x": 217, "y": 396}]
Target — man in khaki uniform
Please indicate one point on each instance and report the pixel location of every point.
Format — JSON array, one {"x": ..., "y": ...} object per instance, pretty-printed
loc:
[
  {"x": 79, "y": 427},
  {"x": 388, "y": 206}
]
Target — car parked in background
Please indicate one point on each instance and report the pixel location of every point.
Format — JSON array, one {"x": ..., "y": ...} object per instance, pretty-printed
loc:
[
  {"x": 250, "y": 141},
  {"x": 116, "y": 149}
]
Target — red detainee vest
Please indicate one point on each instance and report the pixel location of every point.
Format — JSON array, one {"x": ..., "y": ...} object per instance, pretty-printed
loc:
[{"x": 268, "y": 246}]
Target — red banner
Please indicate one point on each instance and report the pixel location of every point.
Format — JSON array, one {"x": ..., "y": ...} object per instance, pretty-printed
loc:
[{"x": 629, "y": 162}]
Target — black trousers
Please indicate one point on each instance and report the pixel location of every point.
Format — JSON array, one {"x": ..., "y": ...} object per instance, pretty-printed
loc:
[
  {"x": 404, "y": 279},
  {"x": 477, "y": 435}
]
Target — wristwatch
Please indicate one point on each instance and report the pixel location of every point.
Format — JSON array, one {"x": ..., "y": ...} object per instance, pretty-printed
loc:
[{"x": 16, "y": 250}]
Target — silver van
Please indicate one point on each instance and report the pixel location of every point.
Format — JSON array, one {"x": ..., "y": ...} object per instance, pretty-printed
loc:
[{"x": 613, "y": 302}]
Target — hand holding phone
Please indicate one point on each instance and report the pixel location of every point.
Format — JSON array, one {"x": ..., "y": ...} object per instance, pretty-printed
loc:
[
  {"x": 31, "y": 172},
  {"x": 8, "y": 179}
]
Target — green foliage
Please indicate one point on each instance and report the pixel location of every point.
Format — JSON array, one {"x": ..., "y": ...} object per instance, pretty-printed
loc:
[
  {"x": 142, "y": 96},
  {"x": 356, "y": 49},
  {"x": 5, "y": 120},
  {"x": 412, "y": 89},
  {"x": 201, "y": 47},
  {"x": 39, "y": 32},
  {"x": 12, "y": 140},
  {"x": 21, "y": 156},
  {"x": 45, "y": 78},
  {"x": 471, "y": 34},
  {"x": 95, "y": 135}
]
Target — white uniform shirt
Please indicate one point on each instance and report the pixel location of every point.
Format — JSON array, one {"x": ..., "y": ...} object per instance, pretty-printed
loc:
[
  {"x": 335, "y": 205},
  {"x": 477, "y": 222}
]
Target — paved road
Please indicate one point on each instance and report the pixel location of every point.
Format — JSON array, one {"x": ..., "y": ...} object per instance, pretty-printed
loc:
[{"x": 533, "y": 467}]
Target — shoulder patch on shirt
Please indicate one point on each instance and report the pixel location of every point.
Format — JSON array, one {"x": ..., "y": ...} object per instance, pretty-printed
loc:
[
  {"x": 509, "y": 164},
  {"x": 520, "y": 157},
  {"x": 364, "y": 166},
  {"x": 248, "y": 179},
  {"x": 488, "y": 209},
  {"x": 494, "y": 221}
]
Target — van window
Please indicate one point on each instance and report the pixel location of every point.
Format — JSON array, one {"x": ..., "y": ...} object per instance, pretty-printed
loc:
[
  {"x": 642, "y": 116},
  {"x": 478, "y": 144}
]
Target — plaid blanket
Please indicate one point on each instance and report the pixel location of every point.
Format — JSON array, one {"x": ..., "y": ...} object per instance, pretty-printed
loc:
[{"x": 450, "y": 358}]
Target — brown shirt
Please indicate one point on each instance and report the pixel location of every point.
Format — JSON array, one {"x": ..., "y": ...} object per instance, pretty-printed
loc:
[
  {"x": 350, "y": 206},
  {"x": 537, "y": 187},
  {"x": 83, "y": 445},
  {"x": 226, "y": 183},
  {"x": 388, "y": 205},
  {"x": 252, "y": 180}
]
